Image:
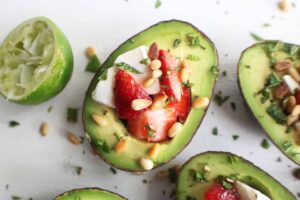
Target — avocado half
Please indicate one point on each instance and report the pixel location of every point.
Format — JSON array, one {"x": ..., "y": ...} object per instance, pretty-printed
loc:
[
  {"x": 226, "y": 165},
  {"x": 253, "y": 71},
  {"x": 89, "y": 194},
  {"x": 203, "y": 78}
]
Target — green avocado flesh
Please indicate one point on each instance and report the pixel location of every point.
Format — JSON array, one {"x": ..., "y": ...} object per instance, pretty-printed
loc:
[
  {"x": 222, "y": 164},
  {"x": 253, "y": 71},
  {"x": 89, "y": 194},
  {"x": 36, "y": 62},
  {"x": 203, "y": 79}
]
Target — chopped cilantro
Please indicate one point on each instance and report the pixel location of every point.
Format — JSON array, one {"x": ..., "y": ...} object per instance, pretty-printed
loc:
[
  {"x": 265, "y": 144},
  {"x": 214, "y": 70},
  {"x": 157, "y": 4},
  {"x": 188, "y": 197},
  {"x": 235, "y": 137},
  {"x": 78, "y": 170},
  {"x": 103, "y": 146},
  {"x": 293, "y": 50},
  {"x": 113, "y": 170},
  {"x": 193, "y": 57},
  {"x": 128, "y": 68},
  {"x": 219, "y": 99},
  {"x": 256, "y": 37},
  {"x": 176, "y": 43},
  {"x": 72, "y": 114},
  {"x": 277, "y": 114},
  {"x": 215, "y": 131},
  {"x": 103, "y": 75},
  {"x": 287, "y": 145},
  {"x": 265, "y": 25},
  {"x": 13, "y": 123},
  {"x": 226, "y": 185},
  {"x": 145, "y": 61},
  {"x": 233, "y": 106},
  {"x": 93, "y": 64},
  {"x": 273, "y": 80},
  {"x": 172, "y": 175},
  {"x": 278, "y": 159},
  {"x": 187, "y": 84},
  {"x": 50, "y": 109},
  {"x": 194, "y": 40},
  {"x": 232, "y": 159},
  {"x": 150, "y": 131},
  {"x": 15, "y": 198},
  {"x": 224, "y": 73},
  {"x": 247, "y": 66},
  {"x": 265, "y": 95},
  {"x": 199, "y": 176}
]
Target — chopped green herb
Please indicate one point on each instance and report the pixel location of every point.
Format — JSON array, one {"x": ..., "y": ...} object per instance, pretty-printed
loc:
[
  {"x": 78, "y": 170},
  {"x": 128, "y": 68},
  {"x": 199, "y": 176},
  {"x": 265, "y": 25},
  {"x": 298, "y": 194},
  {"x": 103, "y": 75},
  {"x": 224, "y": 73},
  {"x": 214, "y": 70},
  {"x": 278, "y": 159},
  {"x": 93, "y": 64},
  {"x": 194, "y": 40},
  {"x": 232, "y": 159},
  {"x": 15, "y": 198},
  {"x": 219, "y": 99},
  {"x": 144, "y": 181},
  {"x": 150, "y": 131},
  {"x": 247, "y": 66},
  {"x": 293, "y": 50},
  {"x": 233, "y": 106},
  {"x": 187, "y": 84},
  {"x": 226, "y": 185},
  {"x": 145, "y": 61},
  {"x": 113, "y": 170},
  {"x": 287, "y": 146},
  {"x": 188, "y": 197},
  {"x": 72, "y": 114},
  {"x": 193, "y": 57},
  {"x": 131, "y": 41},
  {"x": 157, "y": 4},
  {"x": 172, "y": 175},
  {"x": 235, "y": 137},
  {"x": 50, "y": 109},
  {"x": 256, "y": 37},
  {"x": 233, "y": 176},
  {"x": 103, "y": 146},
  {"x": 277, "y": 114},
  {"x": 13, "y": 123},
  {"x": 265, "y": 144},
  {"x": 265, "y": 95},
  {"x": 215, "y": 131},
  {"x": 273, "y": 80},
  {"x": 176, "y": 43}
]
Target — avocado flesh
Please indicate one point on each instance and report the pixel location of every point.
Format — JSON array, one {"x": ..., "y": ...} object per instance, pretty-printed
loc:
[
  {"x": 253, "y": 70},
  {"x": 226, "y": 164},
  {"x": 89, "y": 194},
  {"x": 163, "y": 34}
]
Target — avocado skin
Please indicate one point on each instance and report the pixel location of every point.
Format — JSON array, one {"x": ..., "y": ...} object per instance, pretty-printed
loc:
[
  {"x": 289, "y": 195},
  {"x": 59, "y": 197},
  {"x": 245, "y": 100},
  {"x": 102, "y": 70}
]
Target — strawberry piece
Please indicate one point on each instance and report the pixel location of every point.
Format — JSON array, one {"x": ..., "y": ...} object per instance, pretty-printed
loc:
[
  {"x": 168, "y": 62},
  {"x": 153, "y": 51},
  {"x": 172, "y": 86},
  {"x": 297, "y": 95},
  {"x": 183, "y": 107},
  {"x": 218, "y": 192},
  {"x": 125, "y": 91},
  {"x": 153, "y": 125}
]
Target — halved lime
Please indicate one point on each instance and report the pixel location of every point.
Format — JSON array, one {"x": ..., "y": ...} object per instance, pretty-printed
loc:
[{"x": 36, "y": 62}]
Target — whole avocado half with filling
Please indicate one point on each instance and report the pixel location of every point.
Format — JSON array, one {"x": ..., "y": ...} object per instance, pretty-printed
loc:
[
  {"x": 203, "y": 78},
  {"x": 254, "y": 69},
  {"x": 89, "y": 194},
  {"x": 212, "y": 165}
]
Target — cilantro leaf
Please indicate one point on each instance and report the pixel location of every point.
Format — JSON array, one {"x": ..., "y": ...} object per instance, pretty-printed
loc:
[
  {"x": 93, "y": 64},
  {"x": 128, "y": 68}
]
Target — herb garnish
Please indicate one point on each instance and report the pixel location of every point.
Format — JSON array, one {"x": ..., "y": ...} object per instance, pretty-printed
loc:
[
  {"x": 219, "y": 99},
  {"x": 215, "y": 131},
  {"x": 172, "y": 175},
  {"x": 235, "y": 137},
  {"x": 233, "y": 105},
  {"x": 265, "y": 144},
  {"x": 199, "y": 176},
  {"x": 113, "y": 170},
  {"x": 78, "y": 170},
  {"x": 128, "y": 68},
  {"x": 93, "y": 64},
  {"x": 232, "y": 159},
  {"x": 150, "y": 131},
  {"x": 224, "y": 73},
  {"x": 145, "y": 61},
  {"x": 72, "y": 114},
  {"x": 13, "y": 123},
  {"x": 103, "y": 146},
  {"x": 15, "y": 198},
  {"x": 273, "y": 80},
  {"x": 188, "y": 197},
  {"x": 103, "y": 75},
  {"x": 265, "y": 95},
  {"x": 157, "y": 4},
  {"x": 193, "y": 57},
  {"x": 50, "y": 108},
  {"x": 265, "y": 25},
  {"x": 226, "y": 185},
  {"x": 176, "y": 43},
  {"x": 194, "y": 40},
  {"x": 214, "y": 70},
  {"x": 256, "y": 37},
  {"x": 277, "y": 114},
  {"x": 287, "y": 145}
]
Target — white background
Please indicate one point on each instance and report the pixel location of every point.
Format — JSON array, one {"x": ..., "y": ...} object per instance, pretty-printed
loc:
[{"x": 42, "y": 168}]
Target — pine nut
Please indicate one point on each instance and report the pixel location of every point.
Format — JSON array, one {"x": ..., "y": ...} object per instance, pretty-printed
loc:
[
  {"x": 156, "y": 73},
  {"x": 159, "y": 102},
  {"x": 155, "y": 64},
  {"x": 201, "y": 102},
  {"x": 146, "y": 164},
  {"x": 294, "y": 74},
  {"x": 140, "y": 104},
  {"x": 120, "y": 146},
  {"x": 99, "y": 120},
  {"x": 90, "y": 52},
  {"x": 291, "y": 119},
  {"x": 44, "y": 129},
  {"x": 162, "y": 174},
  {"x": 291, "y": 103},
  {"x": 184, "y": 75},
  {"x": 285, "y": 5},
  {"x": 207, "y": 168},
  {"x": 175, "y": 129},
  {"x": 297, "y": 127},
  {"x": 153, "y": 151},
  {"x": 296, "y": 110},
  {"x": 149, "y": 82},
  {"x": 73, "y": 139}
]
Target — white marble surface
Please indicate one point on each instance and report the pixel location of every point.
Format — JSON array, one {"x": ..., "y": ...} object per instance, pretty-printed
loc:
[{"x": 43, "y": 167}]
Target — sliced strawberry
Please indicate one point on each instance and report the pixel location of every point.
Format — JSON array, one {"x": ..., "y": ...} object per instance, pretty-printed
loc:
[
  {"x": 125, "y": 91},
  {"x": 168, "y": 62},
  {"x": 218, "y": 192},
  {"x": 183, "y": 107},
  {"x": 153, "y": 125},
  {"x": 171, "y": 84}
]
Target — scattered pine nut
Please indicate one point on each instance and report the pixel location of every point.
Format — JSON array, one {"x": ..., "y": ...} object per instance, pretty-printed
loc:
[
  {"x": 99, "y": 120},
  {"x": 291, "y": 119},
  {"x": 153, "y": 151},
  {"x": 296, "y": 110},
  {"x": 146, "y": 164},
  {"x": 44, "y": 129},
  {"x": 162, "y": 174},
  {"x": 291, "y": 103},
  {"x": 90, "y": 52},
  {"x": 201, "y": 102},
  {"x": 297, "y": 127},
  {"x": 73, "y": 139},
  {"x": 175, "y": 129},
  {"x": 156, "y": 73},
  {"x": 120, "y": 146},
  {"x": 155, "y": 64},
  {"x": 149, "y": 82},
  {"x": 184, "y": 75},
  {"x": 159, "y": 102},
  {"x": 207, "y": 168},
  {"x": 294, "y": 74},
  {"x": 140, "y": 104},
  {"x": 285, "y": 5}
]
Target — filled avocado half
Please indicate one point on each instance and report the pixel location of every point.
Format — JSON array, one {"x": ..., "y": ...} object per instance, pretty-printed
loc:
[
  {"x": 149, "y": 97},
  {"x": 89, "y": 194},
  {"x": 268, "y": 75},
  {"x": 225, "y": 176}
]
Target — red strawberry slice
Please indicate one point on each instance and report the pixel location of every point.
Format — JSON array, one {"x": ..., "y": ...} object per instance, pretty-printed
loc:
[
  {"x": 183, "y": 107},
  {"x": 218, "y": 192},
  {"x": 172, "y": 86},
  {"x": 153, "y": 125},
  {"x": 168, "y": 62},
  {"x": 125, "y": 91}
]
